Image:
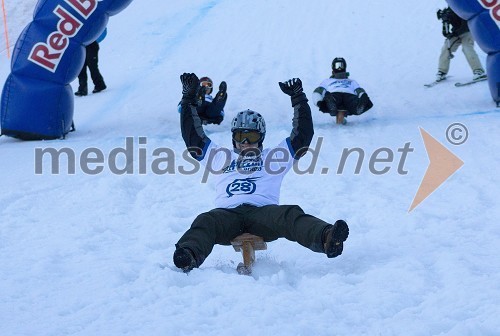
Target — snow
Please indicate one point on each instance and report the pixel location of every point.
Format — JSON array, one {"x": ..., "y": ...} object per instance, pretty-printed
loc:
[{"x": 84, "y": 254}]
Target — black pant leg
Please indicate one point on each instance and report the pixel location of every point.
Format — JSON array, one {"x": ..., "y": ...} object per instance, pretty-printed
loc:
[
  {"x": 332, "y": 102},
  {"x": 364, "y": 104},
  {"x": 82, "y": 79},
  {"x": 286, "y": 221},
  {"x": 92, "y": 61},
  {"x": 350, "y": 102},
  {"x": 217, "y": 226}
]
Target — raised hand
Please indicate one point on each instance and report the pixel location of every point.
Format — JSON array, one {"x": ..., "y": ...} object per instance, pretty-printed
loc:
[
  {"x": 291, "y": 87},
  {"x": 223, "y": 87},
  {"x": 190, "y": 85},
  {"x": 222, "y": 90}
]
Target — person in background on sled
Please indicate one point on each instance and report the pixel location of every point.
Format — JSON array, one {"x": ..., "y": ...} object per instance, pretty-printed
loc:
[
  {"x": 456, "y": 33},
  {"x": 248, "y": 181},
  {"x": 91, "y": 62},
  {"x": 338, "y": 92},
  {"x": 210, "y": 109}
]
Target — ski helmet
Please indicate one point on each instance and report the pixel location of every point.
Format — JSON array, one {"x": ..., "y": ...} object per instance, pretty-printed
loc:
[
  {"x": 339, "y": 65},
  {"x": 208, "y": 83},
  {"x": 249, "y": 120}
]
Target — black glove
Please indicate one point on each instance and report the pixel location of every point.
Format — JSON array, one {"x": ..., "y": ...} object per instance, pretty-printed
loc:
[
  {"x": 291, "y": 87},
  {"x": 360, "y": 92},
  {"x": 223, "y": 87},
  {"x": 190, "y": 87},
  {"x": 322, "y": 106},
  {"x": 222, "y": 90}
]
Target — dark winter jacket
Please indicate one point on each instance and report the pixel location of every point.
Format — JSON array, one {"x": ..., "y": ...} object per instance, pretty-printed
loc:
[
  {"x": 211, "y": 110},
  {"x": 197, "y": 141},
  {"x": 459, "y": 26}
]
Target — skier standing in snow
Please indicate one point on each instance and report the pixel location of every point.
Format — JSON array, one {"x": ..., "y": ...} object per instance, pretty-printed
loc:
[
  {"x": 338, "y": 92},
  {"x": 456, "y": 33},
  {"x": 210, "y": 109},
  {"x": 248, "y": 182}
]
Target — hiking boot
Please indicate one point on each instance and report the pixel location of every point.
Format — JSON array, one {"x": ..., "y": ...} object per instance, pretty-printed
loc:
[
  {"x": 334, "y": 237},
  {"x": 99, "y": 88},
  {"x": 440, "y": 76},
  {"x": 184, "y": 259},
  {"x": 81, "y": 93},
  {"x": 479, "y": 74}
]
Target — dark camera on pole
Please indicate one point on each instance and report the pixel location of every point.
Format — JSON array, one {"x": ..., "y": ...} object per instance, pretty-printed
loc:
[{"x": 443, "y": 14}]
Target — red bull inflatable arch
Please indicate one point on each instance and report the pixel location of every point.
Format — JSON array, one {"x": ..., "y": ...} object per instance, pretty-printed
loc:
[
  {"x": 483, "y": 17},
  {"x": 37, "y": 98}
]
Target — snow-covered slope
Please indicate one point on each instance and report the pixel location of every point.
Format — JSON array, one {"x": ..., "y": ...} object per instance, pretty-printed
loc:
[{"x": 88, "y": 254}]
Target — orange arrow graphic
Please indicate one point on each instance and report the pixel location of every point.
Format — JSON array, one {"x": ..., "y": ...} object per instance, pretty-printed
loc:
[{"x": 443, "y": 164}]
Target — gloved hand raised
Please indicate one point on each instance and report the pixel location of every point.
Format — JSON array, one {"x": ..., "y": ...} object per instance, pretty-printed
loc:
[
  {"x": 190, "y": 87},
  {"x": 291, "y": 87},
  {"x": 223, "y": 87},
  {"x": 222, "y": 90}
]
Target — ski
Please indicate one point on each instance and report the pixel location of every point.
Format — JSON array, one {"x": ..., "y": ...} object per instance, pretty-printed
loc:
[
  {"x": 437, "y": 82},
  {"x": 432, "y": 83},
  {"x": 470, "y": 82}
]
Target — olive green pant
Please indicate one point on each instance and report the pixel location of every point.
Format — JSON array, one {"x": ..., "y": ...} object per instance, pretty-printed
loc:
[
  {"x": 451, "y": 45},
  {"x": 220, "y": 226}
]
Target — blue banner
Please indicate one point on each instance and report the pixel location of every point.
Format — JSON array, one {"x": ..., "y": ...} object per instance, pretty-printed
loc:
[
  {"x": 37, "y": 99},
  {"x": 483, "y": 17}
]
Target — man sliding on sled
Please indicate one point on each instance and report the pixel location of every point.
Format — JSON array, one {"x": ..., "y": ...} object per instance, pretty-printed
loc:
[{"x": 248, "y": 183}]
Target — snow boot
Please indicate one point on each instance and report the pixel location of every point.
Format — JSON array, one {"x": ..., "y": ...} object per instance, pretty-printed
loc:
[
  {"x": 81, "y": 92},
  {"x": 334, "y": 237},
  {"x": 100, "y": 87},
  {"x": 478, "y": 74},
  {"x": 184, "y": 259},
  {"x": 440, "y": 76}
]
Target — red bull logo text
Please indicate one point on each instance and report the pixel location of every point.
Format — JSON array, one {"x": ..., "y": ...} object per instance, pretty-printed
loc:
[
  {"x": 48, "y": 54},
  {"x": 494, "y": 7}
]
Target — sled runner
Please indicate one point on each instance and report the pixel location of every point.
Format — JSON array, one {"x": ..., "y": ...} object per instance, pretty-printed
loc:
[{"x": 247, "y": 244}]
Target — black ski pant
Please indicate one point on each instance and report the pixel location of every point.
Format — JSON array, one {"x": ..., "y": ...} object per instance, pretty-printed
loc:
[
  {"x": 91, "y": 62},
  {"x": 335, "y": 101},
  {"x": 220, "y": 226}
]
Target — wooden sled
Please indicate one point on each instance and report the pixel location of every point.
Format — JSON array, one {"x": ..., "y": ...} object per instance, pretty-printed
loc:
[
  {"x": 340, "y": 117},
  {"x": 247, "y": 243}
]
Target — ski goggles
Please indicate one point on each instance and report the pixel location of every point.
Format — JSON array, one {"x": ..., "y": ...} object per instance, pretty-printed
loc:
[
  {"x": 247, "y": 136},
  {"x": 206, "y": 84}
]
